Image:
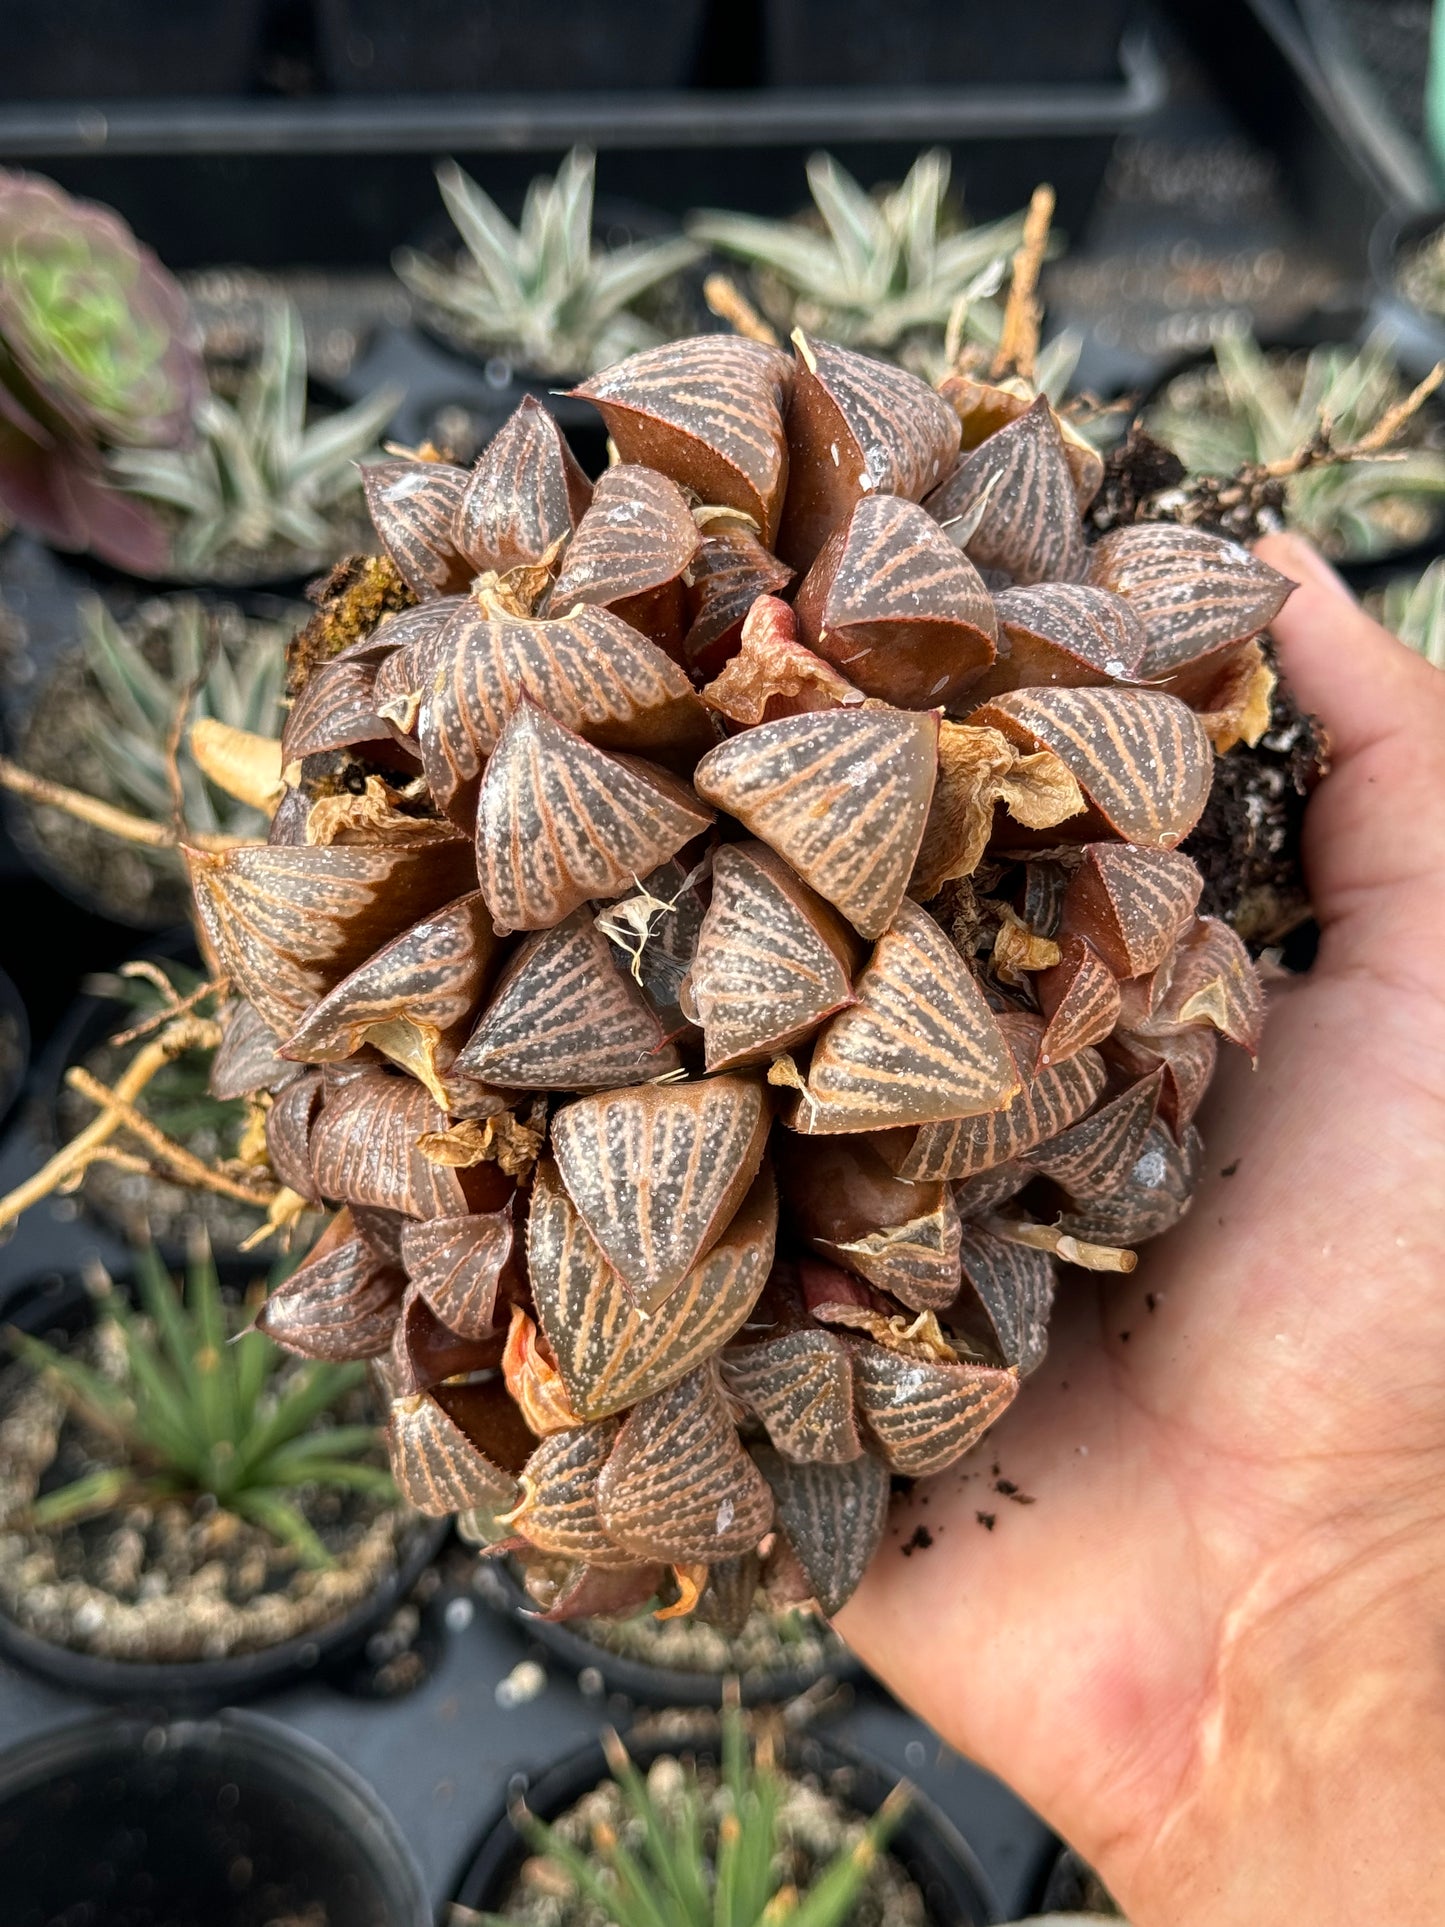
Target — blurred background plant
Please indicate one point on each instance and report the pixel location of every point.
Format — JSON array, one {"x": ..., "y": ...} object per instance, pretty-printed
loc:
[
  {"x": 1251, "y": 405},
  {"x": 540, "y": 294},
  {"x": 191, "y": 1402},
  {"x": 1413, "y": 606},
  {"x": 262, "y": 491},
  {"x": 97, "y": 352}
]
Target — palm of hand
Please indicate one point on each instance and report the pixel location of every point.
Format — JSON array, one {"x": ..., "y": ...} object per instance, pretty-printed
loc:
[{"x": 1219, "y": 1602}]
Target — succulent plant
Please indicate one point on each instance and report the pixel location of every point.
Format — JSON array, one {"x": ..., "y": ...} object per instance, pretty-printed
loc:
[
  {"x": 97, "y": 351},
  {"x": 259, "y": 489},
  {"x": 1413, "y": 607},
  {"x": 888, "y": 271},
  {"x": 199, "y": 1406},
  {"x": 695, "y": 1856},
  {"x": 1251, "y": 406},
  {"x": 141, "y": 671},
  {"x": 740, "y": 948},
  {"x": 540, "y": 293}
]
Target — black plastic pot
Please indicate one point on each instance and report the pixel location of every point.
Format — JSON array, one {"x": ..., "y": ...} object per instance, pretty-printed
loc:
[
  {"x": 235, "y": 1821},
  {"x": 14, "y": 1045},
  {"x": 512, "y": 46},
  {"x": 634, "y": 1679},
  {"x": 96, "y": 50},
  {"x": 63, "y": 1307},
  {"x": 1418, "y": 338},
  {"x": 936, "y": 1857},
  {"x": 940, "y": 43}
]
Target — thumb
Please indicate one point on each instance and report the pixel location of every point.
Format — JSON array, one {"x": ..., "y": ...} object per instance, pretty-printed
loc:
[{"x": 1374, "y": 839}]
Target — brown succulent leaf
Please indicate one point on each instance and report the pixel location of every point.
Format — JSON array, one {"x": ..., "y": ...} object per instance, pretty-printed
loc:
[
  {"x": 437, "y": 1449},
  {"x": 425, "y": 1352},
  {"x": 364, "y": 1148},
  {"x": 919, "y": 1044},
  {"x": 708, "y": 412},
  {"x": 379, "y": 1231},
  {"x": 286, "y": 924},
  {"x": 1131, "y": 905},
  {"x": 983, "y": 407},
  {"x": 730, "y": 1593},
  {"x": 657, "y": 929},
  {"x": 611, "y": 1354},
  {"x": 1187, "y": 1057},
  {"x": 1065, "y": 633},
  {"x": 798, "y": 1383},
  {"x": 246, "y": 1060},
  {"x": 986, "y": 1189},
  {"x": 773, "y": 675},
  {"x": 1194, "y": 592},
  {"x": 636, "y": 538},
  {"x": 525, "y": 494},
  {"x": 413, "y": 508},
  {"x": 336, "y": 708},
  {"x": 893, "y": 605},
  {"x": 456, "y": 1264},
  {"x": 559, "y": 821},
  {"x": 340, "y": 1303},
  {"x": 289, "y": 1124},
  {"x": 1046, "y": 879},
  {"x": 678, "y": 1485},
  {"x": 1007, "y": 1295},
  {"x": 589, "y": 670},
  {"x": 377, "y": 816},
  {"x": 916, "y": 1262},
  {"x": 856, "y": 427},
  {"x": 558, "y": 1512},
  {"x": 926, "y": 1415},
  {"x": 1095, "y": 1156},
  {"x": 842, "y": 795},
  {"x": 658, "y": 1171},
  {"x": 1079, "y": 995},
  {"x": 536, "y": 1385},
  {"x": 596, "y": 1592},
  {"x": 564, "y": 1018},
  {"x": 416, "y": 623},
  {"x": 730, "y": 571},
  {"x": 773, "y": 959},
  {"x": 1156, "y": 1192},
  {"x": 1015, "y": 494},
  {"x": 1232, "y": 693},
  {"x": 412, "y": 1001},
  {"x": 1047, "y": 1102},
  {"x": 834, "y": 1517},
  {"x": 1213, "y": 980},
  {"x": 1141, "y": 758},
  {"x": 843, "y": 1198},
  {"x": 491, "y": 1134},
  {"x": 979, "y": 769},
  {"x": 1019, "y": 952}
]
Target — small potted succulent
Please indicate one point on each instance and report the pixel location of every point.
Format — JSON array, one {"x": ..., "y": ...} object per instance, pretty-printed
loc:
[
  {"x": 234, "y": 1820},
  {"x": 1407, "y": 264},
  {"x": 1248, "y": 405},
  {"x": 185, "y": 1511},
  {"x": 1413, "y": 607},
  {"x": 101, "y": 725},
  {"x": 722, "y": 1828},
  {"x": 541, "y": 300},
  {"x": 895, "y": 272}
]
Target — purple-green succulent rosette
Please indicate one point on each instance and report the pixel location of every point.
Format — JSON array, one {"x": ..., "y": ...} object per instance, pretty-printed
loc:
[{"x": 98, "y": 350}]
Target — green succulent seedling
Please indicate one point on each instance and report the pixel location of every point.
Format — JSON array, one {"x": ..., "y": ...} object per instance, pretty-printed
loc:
[
  {"x": 259, "y": 475},
  {"x": 1252, "y": 408},
  {"x": 540, "y": 293},
  {"x": 878, "y": 271},
  {"x": 1413, "y": 607},
  {"x": 684, "y": 1871},
  {"x": 198, "y": 1407},
  {"x": 237, "y": 669}
]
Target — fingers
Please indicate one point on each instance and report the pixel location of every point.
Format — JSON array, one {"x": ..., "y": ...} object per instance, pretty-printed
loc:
[
  {"x": 1374, "y": 838},
  {"x": 1343, "y": 667}
]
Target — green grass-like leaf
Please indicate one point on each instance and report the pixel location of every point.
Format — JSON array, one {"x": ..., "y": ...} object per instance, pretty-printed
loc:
[{"x": 198, "y": 1408}]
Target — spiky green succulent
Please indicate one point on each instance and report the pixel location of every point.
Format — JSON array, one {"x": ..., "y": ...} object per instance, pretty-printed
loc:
[
  {"x": 692, "y": 1857},
  {"x": 259, "y": 490},
  {"x": 1413, "y": 607},
  {"x": 97, "y": 351},
  {"x": 1254, "y": 407},
  {"x": 890, "y": 271},
  {"x": 140, "y": 672},
  {"x": 197, "y": 1405},
  {"x": 541, "y": 294}
]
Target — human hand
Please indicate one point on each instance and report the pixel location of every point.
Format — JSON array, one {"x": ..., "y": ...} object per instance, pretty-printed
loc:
[{"x": 1212, "y": 1653}]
